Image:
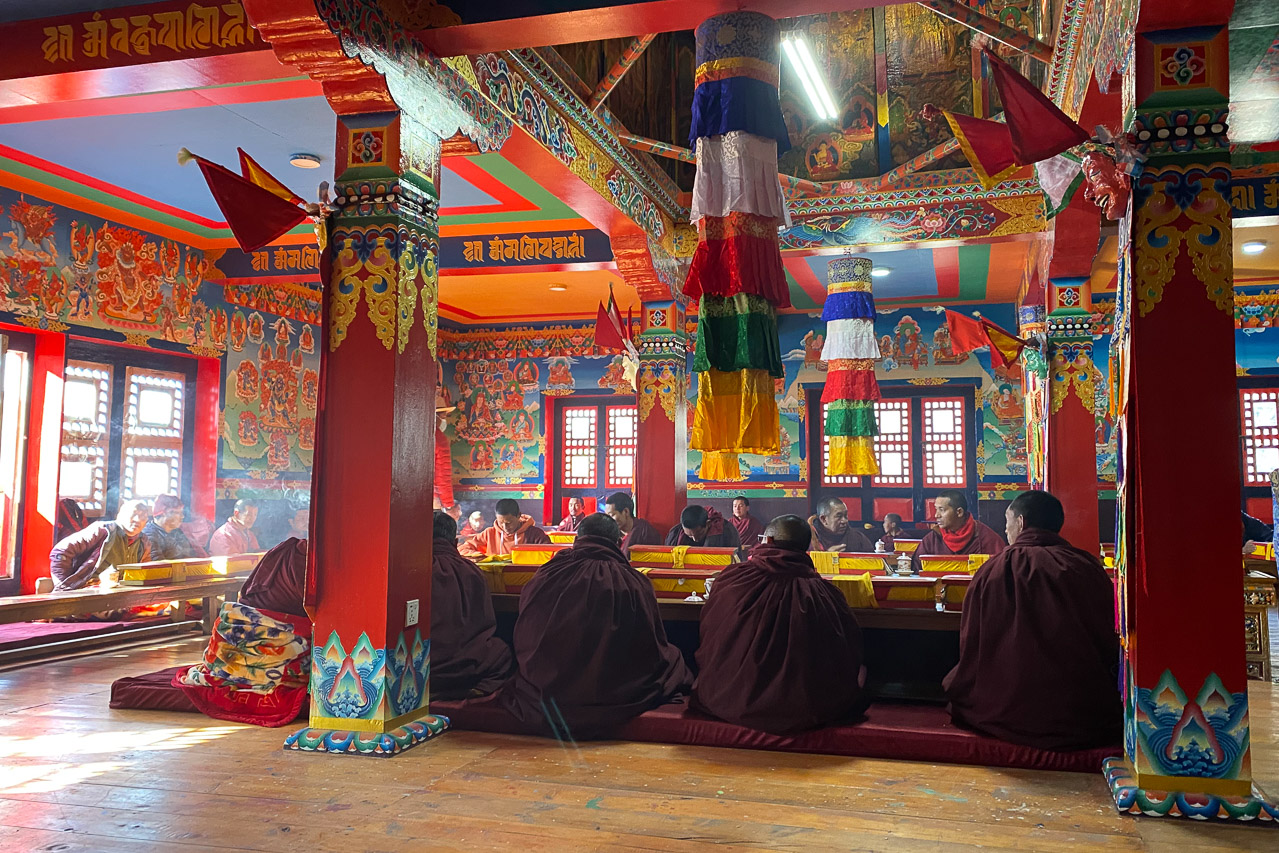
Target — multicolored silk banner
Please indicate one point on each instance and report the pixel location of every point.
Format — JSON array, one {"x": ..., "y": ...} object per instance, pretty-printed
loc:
[
  {"x": 850, "y": 352},
  {"x": 736, "y": 273}
]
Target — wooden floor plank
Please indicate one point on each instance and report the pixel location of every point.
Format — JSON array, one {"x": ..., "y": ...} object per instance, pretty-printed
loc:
[{"x": 75, "y": 776}]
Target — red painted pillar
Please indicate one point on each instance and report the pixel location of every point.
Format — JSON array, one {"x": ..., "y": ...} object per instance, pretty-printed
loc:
[
  {"x": 661, "y": 470},
  {"x": 1070, "y": 450},
  {"x": 204, "y": 474},
  {"x": 368, "y": 584},
  {"x": 1181, "y": 603},
  {"x": 44, "y": 456}
]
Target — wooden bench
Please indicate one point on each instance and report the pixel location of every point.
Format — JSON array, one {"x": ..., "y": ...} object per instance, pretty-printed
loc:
[{"x": 27, "y": 608}]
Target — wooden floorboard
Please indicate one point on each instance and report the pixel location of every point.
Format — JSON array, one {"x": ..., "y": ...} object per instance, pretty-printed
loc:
[{"x": 75, "y": 776}]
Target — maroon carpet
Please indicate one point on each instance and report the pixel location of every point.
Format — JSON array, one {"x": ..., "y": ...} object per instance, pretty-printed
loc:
[
  {"x": 903, "y": 732},
  {"x": 20, "y": 634}
]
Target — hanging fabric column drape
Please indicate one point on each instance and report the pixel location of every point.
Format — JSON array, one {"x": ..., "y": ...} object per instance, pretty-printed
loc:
[
  {"x": 736, "y": 275},
  {"x": 850, "y": 352}
]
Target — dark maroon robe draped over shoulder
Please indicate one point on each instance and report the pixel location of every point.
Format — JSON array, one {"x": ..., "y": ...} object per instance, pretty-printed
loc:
[
  {"x": 1038, "y": 653},
  {"x": 851, "y": 540},
  {"x": 278, "y": 580},
  {"x": 642, "y": 533},
  {"x": 748, "y": 530},
  {"x": 467, "y": 657},
  {"x": 984, "y": 541},
  {"x": 780, "y": 650},
  {"x": 590, "y": 646}
]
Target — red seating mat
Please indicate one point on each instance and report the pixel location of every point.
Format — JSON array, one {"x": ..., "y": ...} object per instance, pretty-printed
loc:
[
  {"x": 17, "y": 635},
  {"x": 906, "y": 732}
]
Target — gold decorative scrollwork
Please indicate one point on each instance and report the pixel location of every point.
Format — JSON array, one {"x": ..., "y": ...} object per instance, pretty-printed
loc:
[
  {"x": 662, "y": 383},
  {"x": 1072, "y": 367},
  {"x": 363, "y": 261}
]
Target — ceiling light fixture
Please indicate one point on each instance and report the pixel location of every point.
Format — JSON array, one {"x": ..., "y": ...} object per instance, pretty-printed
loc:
[
  {"x": 1253, "y": 247},
  {"x": 559, "y": 287},
  {"x": 801, "y": 61},
  {"x": 880, "y": 272},
  {"x": 305, "y": 161}
]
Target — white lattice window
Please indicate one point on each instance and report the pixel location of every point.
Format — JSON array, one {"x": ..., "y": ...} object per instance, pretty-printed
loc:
[
  {"x": 1259, "y": 417},
  {"x": 893, "y": 444},
  {"x": 580, "y": 446},
  {"x": 945, "y": 428},
  {"x": 86, "y": 434},
  {"x": 623, "y": 429},
  {"x": 153, "y": 423}
]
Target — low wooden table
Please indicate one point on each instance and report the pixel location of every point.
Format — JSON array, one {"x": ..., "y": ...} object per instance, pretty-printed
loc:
[
  {"x": 888, "y": 618},
  {"x": 26, "y": 608}
]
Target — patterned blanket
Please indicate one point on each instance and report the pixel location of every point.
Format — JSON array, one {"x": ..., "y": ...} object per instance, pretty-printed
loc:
[{"x": 255, "y": 669}]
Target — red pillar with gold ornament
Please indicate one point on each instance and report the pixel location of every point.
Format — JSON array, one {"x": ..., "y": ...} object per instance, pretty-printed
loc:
[
  {"x": 369, "y": 577},
  {"x": 661, "y": 470},
  {"x": 1187, "y": 738},
  {"x": 1070, "y": 435}
]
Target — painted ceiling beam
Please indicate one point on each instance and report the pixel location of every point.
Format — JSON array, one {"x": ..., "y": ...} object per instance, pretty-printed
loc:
[
  {"x": 1006, "y": 35},
  {"x": 496, "y": 25},
  {"x": 628, "y": 58}
]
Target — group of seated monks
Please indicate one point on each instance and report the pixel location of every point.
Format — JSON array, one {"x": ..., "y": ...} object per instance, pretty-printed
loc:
[
  {"x": 780, "y": 649},
  {"x": 87, "y": 553}
]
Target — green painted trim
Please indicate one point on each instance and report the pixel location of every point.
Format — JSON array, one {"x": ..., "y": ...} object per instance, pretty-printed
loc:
[
  {"x": 196, "y": 232},
  {"x": 974, "y": 271},
  {"x": 799, "y": 298},
  {"x": 508, "y": 173}
]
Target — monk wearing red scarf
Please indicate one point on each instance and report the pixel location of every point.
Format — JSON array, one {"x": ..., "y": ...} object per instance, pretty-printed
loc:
[
  {"x": 589, "y": 642},
  {"x": 702, "y": 527},
  {"x": 1038, "y": 652},
  {"x": 748, "y": 527},
  {"x": 958, "y": 532},
  {"x": 780, "y": 650},
  {"x": 467, "y": 658}
]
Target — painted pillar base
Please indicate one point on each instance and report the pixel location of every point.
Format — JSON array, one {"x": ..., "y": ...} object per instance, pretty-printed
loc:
[
  {"x": 1137, "y": 801},
  {"x": 372, "y": 744}
]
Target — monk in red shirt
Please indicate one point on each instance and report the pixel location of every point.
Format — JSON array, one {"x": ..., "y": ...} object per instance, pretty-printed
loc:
[
  {"x": 958, "y": 531},
  {"x": 1038, "y": 651}
]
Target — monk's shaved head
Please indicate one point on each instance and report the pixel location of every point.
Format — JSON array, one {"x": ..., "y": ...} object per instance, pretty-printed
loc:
[
  {"x": 1040, "y": 510},
  {"x": 601, "y": 525},
  {"x": 789, "y": 528}
]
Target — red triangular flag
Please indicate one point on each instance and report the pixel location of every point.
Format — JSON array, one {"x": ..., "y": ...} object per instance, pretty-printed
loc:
[
  {"x": 255, "y": 215},
  {"x": 966, "y": 334},
  {"x": 1004, "y": 347},
  {"x": 253, "y": 171},
  {"x": 607, "y": 334},
  {"x": 1039, "y": 130},
  {"x": 987, "y": 144}
]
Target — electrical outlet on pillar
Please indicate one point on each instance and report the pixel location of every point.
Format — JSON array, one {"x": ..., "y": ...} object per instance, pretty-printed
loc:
[{"x": 410, "y": 613}]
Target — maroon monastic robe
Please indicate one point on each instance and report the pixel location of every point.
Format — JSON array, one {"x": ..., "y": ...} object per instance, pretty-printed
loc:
[
  {"x": 278, "y": 580},
  {"x": 851, "y": 540},
  {"x": 590, "y": 646},
  {"x": 1038, "y": 653},
  {"x": 467, "y": 657},
  {"x": 748, "y": 530},
  {"x": 984, "y": 541},
  {"x": 642, "y": 533},
  {"x": 780, "y": 650}
]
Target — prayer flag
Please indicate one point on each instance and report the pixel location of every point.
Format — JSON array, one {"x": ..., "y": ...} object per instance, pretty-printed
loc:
[
  {"x": 1037, "y": 128},
  {"x": 966, "y": 334},
  {"x": 1004, "y": 347},
  {"x": 987, "y": 144},
  {"x": 255, "y": 173},
  {"x": 255, "y": 215}
]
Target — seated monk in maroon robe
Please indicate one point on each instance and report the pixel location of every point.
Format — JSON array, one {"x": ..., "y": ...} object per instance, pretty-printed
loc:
[
  {"x": 589, "y": 643},
  {"x": 958, "y": 530},
  {"x": 702, "y": 527},
  {"x": 1038, "y": 653},
  {"x": 780, "y": 649},
  {"x": 257, "y": 664},
  {"x": 635, "y": 531},
  {"x": 748, "y": 527},
  {"x": 467, "y": 657},
  {"x": 832, "y": 532}
]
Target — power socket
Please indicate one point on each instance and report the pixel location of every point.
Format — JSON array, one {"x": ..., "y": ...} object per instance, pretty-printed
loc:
[{"x": 410, "y": 613}]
